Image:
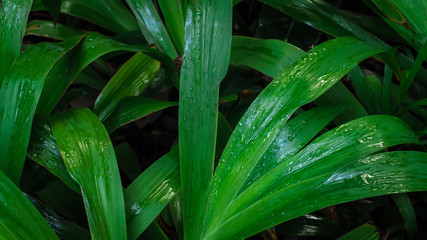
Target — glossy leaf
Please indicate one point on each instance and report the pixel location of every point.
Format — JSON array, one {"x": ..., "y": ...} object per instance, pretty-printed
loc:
[
  {"x": 92, "y": 47},
  {"x": 14, "y": 205},
  {"x": 43, "y": 150},
  {"x": 408, "y": 214},
  {"x": 127, "y": 160},
  {"x": 130, "y": 80},
  {"x": 53, "y": 6},
  {"x": 133, "y": 108},
  {"x": 48, "y": 29},
  {"x": 268, "y": 56},
  {"x": 296, "y": 134},
  {"x": 335, "y": 148},
  {"x": 271, "y": 57},
  {"x": 110, "y": 14},
  {"x": 146, "y": 197},
  {"x": 174, "y": 14},
  {"x": 367, "y": 231},
  {"x": 63, "y": 228},
  {"x": 151, "y": 26},
  {"x": 379, "y": 174},
  {"x": 301, "y": 83},
  {"x": 19, "y": 95},
  {"x": 89, "y": 157},
  {"x": 321, "y": 15},
  {"x": 205, "y": 63},
  {"x": 13, "y": 19}
]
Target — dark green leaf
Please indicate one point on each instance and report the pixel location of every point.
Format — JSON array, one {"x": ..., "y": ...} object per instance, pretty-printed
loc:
[
  {"x": 152, "y": 26},
  {"x": 13, "y": 19},
  {"x": 366, "y": 232},
  {"x": 133, "y": 108},
  {"x": 301, "y": 83},
  {"x": 19, "y": 96},
  {"x": 44, "y": 151},
  {"x": 146, "y": 197},
  {"x": 53, "y": 6},
  {"x": 19, "y": 219},
  {"x": 44, "y": 28},
  {"x": 130, "y": 80}
]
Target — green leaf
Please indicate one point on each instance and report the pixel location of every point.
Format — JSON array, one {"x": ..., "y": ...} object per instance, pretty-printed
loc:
[
  {"x": 205, "y": 62},
  {"x": 53, "y": 6},
  {"x": 296, "y": 134},
  {"x": 268, "y": 56},
  {"x": 89, "y": 157},
  {"x": 62, "y": 227},
  {"x": 92, "y": 47},
  {"x": 339, "y": 94},
  {"x": 151, "y": 26},
  {"x": 367, "y": 231},
  {"x": 321, "y": 15},
  {"x": 13, "y": 19},
  {"x": 146, "y": 197},
  {"x": 48, "y": 29},
  {"x": 43, "y": 150},
  {"x": 110, "y": 14},
  {"x": 335, "y": 148},
  {"x": 174, "y": 14},
  {"x": 127, "y": 160},
  {"x": 19, "y": 95},
  {"x": 13, "y": 206},
  {"x": 154, "y": 231},
  {"x": 130, "y": 80},
  {"x": 133, "y": 108},
  {"x": 408, "y": 214},
  {"x": 379, "y": 174},
  {"x": 299, "y": 84}
]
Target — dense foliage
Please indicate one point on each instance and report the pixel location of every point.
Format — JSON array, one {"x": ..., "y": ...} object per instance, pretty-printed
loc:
[{"x": 213, "y": 119}]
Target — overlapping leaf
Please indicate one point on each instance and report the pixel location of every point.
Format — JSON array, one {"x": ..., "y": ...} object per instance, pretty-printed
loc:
[
  {"x": 19, "y": 96},
  {"x": 151, "y": 192},
  {"x": 89, "y": 157},
  {"x": 13, "y": 19},
  {"x": 19, "y": 219},
  {"x": 205, "y": 63}
]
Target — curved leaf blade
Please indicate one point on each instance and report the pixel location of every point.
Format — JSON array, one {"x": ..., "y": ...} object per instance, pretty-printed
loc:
[
  {"x": 43, "y": 150},
  {"x": 13, "y": 206},
  {"x": 133, "y": 108},
  {"x": 152, "y": 26},
  {"x": 301, "y": 83},
  {"x": 19, "y": 96},
  {"x": 205, "y": 63},
  {"x": 379, "y": 174},
  {"x": 89, "y": 157},
  {"x": 146, "y": 197},
  {"x": 130, "y": 80},
  {"x": 13, "y": 19},
  {"x": 92, "y": 47}
]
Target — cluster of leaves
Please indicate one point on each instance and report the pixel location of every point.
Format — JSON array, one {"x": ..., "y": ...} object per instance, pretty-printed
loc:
[{"x": 266, "y": 133}]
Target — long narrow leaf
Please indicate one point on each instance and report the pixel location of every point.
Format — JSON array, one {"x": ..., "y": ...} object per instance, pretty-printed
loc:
[
  {"x": 146, "y": 197},
  {"x": 152, "y": 26},
  {"x": 206, "y": 58},
  {"x": 19, "y": 96},
  {"x": 133, "y": 108},
  {"x": 13, "y": 19},
  {"x": 89, "y": 157},
  {"x": 379, "y": 174},
  {"x": 130, "y": 80},
  {"x": 19, "y": 219},
  {"x": 93, "y": 46},
  {"x": 301, "y": 83}
]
